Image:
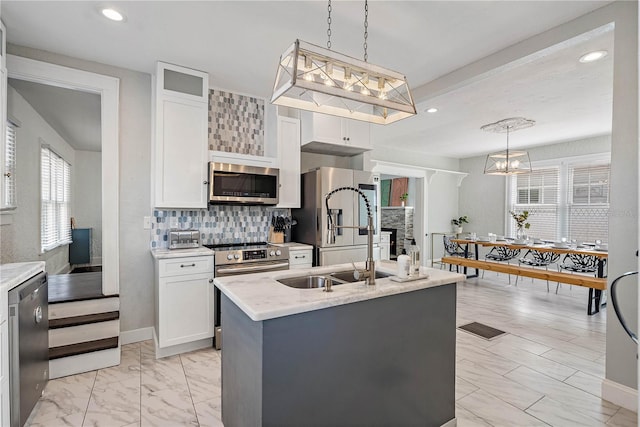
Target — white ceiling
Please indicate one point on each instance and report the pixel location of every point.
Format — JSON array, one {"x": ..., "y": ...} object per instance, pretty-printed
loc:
[
  {"x": 73, "y": 114},
  {"x": 239, "y": 42}
]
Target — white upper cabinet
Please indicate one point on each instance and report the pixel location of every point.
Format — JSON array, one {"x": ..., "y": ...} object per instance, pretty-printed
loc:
[
  {"x": 325, "y": 134},
  {"x": 289, "y": 162},
  {"x": 180, "y": 151}
]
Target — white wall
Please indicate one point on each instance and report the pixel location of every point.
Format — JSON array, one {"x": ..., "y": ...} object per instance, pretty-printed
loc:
[
  {"x": 136, "y": 266},
  {"x": 622, "y": 362},
  {"x": 21, "y": 239},
  {"x": 87, "y": 198}
]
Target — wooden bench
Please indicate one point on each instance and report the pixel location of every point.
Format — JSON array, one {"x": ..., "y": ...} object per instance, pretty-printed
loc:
[
  {"x": 595, "y": 284},
  {"x": 536, "y": 273}
]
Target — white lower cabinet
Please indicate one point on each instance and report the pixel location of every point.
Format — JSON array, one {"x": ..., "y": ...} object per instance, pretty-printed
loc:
[
  {"x": 300, "y": 258},
  {"x": 184, "y": 300}
]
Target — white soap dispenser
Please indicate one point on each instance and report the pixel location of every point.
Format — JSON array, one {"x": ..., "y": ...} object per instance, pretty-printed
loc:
[{"x": 404, "y": 265}]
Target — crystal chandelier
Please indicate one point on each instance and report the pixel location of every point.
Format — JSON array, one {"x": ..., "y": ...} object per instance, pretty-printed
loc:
[
  {"x": 316, "y": 79},
  {"x": 508, "y": 162}
]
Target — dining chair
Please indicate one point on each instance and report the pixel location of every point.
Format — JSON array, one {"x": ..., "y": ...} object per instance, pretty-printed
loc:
[
  {"x": 536, "y": 258},
  {"x": 454, "y": 249},
  {"x": 579, "y": 263},
  {"x": 501, "y": 254}
]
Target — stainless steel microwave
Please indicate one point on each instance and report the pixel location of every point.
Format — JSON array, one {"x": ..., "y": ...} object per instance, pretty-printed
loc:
[{"x": 239, "y": 184}]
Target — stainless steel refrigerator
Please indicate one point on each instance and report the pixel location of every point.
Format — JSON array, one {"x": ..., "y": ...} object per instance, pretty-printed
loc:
[{"x": 345, "y": 207}]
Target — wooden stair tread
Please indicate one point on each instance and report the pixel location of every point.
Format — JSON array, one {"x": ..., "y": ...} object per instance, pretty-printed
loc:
[
  {"x": 572, "y": 279},
  {"x": 66, "y": 322},
  {"x": 75, "y": 287},
  {"x": 81, "y": 348}
]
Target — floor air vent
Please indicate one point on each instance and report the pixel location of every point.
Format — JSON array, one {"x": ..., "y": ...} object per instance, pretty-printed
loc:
[{"x": 481, "y": 330}]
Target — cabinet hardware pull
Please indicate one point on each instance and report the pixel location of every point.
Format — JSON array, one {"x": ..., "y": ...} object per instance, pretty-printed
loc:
[
  {"x": 210, "y": 280},
  {"x": 205, "y": 182},
  {"x": 187, "y": 265},
  {"x": 301, "y": 256}
]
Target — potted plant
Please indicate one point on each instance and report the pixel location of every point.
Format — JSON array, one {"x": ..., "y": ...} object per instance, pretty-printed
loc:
[
  {"x": 403, "y": 198},
  {"x": 521, "y": 223},
  {"x": 456, "y": 223}
]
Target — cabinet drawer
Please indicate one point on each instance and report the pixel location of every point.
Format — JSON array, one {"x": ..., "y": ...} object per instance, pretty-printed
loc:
[
  {"x": 187, "y": 265},
  {"x": 304, "y": 257}
]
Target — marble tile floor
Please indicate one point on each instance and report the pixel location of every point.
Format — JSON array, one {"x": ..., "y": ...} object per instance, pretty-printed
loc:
[{"x": 546, "y": 371}]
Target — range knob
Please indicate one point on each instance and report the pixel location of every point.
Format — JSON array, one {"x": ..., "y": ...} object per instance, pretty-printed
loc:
[
  {"x": 229, "y": 257},
  {"x": 278, "y": 252},
  {"x": 236, "y": 256},
  {"x": 272, "y": 253}
]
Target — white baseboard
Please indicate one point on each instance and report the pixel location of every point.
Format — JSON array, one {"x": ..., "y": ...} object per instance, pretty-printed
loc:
[
  {"x": 620, "y": 395},
  {"x": 84, "y": 362},
  {"x": 180, "y": 348},
  {"x": 136, "y": 335}
]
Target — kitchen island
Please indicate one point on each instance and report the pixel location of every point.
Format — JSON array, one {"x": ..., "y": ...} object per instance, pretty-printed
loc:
[{"x": 360, "y": 355}]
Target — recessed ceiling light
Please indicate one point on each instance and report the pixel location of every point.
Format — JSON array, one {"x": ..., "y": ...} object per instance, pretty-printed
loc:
[
  {"x": 431, "y": 110},
  {"x": 112, "y": 14},
  {"x": 593, "y": 56}
]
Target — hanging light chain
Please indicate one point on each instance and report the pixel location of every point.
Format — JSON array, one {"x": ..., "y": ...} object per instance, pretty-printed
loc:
[
  {"x": 366, "y": 29},
  {"x": 329, "y": 23}
]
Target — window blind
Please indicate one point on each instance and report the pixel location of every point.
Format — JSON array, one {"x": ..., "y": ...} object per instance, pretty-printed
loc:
[
  {"x": 10, "y": 167},
  {"x": 56, "y": 194},
  {"x": 537, "y": 193},
  {"x": 588, "y": 196}
]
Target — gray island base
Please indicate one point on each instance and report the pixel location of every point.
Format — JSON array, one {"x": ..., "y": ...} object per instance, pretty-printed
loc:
[{"x": 387, "y": 361}]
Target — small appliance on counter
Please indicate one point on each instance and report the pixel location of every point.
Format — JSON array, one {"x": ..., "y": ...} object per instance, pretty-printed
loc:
[{"x": 183, "y": 239}]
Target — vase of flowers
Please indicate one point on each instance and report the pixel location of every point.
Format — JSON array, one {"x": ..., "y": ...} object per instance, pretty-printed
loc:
[
  {"x": 521, "y": 223},
  {"x": 403, "y": 199},
  {"x": 456, "y": 223}
]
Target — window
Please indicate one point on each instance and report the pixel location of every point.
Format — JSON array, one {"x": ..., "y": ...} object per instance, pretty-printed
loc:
[
  {"x": 589, "y": 202},
  {"x": 10, "y": 167},
  {"x": 56, "y": 192},
  {"x": 538, "y": 194},
  {"x": 569, "y": 200}
]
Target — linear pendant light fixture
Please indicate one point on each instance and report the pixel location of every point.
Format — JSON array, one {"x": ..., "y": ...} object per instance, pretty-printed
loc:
[
  {"x": 316, "y": 79},
  {"x": 508, "y": 162}
]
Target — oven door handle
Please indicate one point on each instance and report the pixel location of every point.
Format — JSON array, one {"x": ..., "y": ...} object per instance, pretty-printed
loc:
[{"x": 252, "y": 268}]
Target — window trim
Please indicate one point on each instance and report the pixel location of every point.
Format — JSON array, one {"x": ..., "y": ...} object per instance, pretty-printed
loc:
[
  {"x": 564, "y": 204},
  {"x": 10, "y": 124}
]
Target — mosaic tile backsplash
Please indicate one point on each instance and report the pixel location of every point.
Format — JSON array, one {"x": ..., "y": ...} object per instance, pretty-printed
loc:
[
  {"x": 236, "y": 123},
  {"x": 219, "y": 224}
]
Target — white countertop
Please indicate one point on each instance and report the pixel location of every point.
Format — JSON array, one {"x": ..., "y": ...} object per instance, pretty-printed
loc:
[
  {"x": 11, "y": 275},
  {"x": 261, "y": 297},
  {"x": 179, "y": 253},
  {"x": 293, "y": 246}
]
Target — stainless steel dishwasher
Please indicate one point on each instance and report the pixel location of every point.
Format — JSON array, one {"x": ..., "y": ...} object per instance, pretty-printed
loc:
[{"x": 28, "y": 346}]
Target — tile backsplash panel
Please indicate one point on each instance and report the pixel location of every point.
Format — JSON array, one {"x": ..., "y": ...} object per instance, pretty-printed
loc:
[
  {"x": 218, "y": 224},
  {"x": 236, "y": 123}
]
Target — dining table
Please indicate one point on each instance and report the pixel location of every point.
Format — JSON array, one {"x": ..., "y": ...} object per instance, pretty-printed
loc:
[{"x": 601, "y": 255}]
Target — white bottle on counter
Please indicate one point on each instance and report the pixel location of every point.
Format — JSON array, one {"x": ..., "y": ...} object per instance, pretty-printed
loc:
[
  {"x": 404, "y": 265},
  {"x": 414, "y": 255}
]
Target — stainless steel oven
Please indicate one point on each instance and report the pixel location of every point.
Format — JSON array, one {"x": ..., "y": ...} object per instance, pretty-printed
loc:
[{"x": 232, "y": 260}]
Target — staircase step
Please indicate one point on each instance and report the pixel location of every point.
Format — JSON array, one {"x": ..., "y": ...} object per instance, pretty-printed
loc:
[
  {"x": 83, "y": 308},
  {"x": 75, "y": 287},
  {"x": 83, "y": 320},
  {"x": 81, "y": 348}
]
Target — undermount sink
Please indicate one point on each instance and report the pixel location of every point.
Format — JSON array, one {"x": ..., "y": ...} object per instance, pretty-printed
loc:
[
  {"x": 337, "y": 278},
  {"x": 306, "y": 282},
  {"x": 347, "y": 276}
]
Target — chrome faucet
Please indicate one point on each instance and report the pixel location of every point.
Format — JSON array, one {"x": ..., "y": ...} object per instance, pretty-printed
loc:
[{"x": 370, "y": 267}]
